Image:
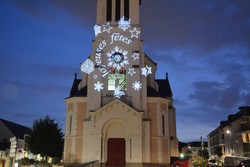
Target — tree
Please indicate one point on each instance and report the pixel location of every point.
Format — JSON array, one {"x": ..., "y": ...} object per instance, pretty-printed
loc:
[{"x": 45, "y": 138}]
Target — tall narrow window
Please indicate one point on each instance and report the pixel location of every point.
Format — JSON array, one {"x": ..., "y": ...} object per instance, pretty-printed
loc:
[
  {"x": 126, "y": 9},
  {"x": 70, "y": 125},
  {"x": 109, "y": 10},
  {"x": 163, "y": 125},
  {"x": 117, "y": 10}
]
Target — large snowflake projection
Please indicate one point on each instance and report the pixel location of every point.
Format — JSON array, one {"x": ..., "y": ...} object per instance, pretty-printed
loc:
[
  {"x": 107, "y": 27},
  {"x": 98, "y": 86},
  {"x": 118, "y": 92},
  {"x": 124, "y": 23},
  {"x": 117, "y": 58},
  {"x": 134, "y": 33},
  {"x": 131, "y": 71},
  {"x": 137, "y": 85},
  {"x": 87, "y": 66},
  {"x": 146, "y": 70},
  {"x": 135, "y": 55},
  {"x": 97, "y": 29}
]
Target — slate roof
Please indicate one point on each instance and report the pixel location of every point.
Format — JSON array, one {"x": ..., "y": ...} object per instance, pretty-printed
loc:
[{"x": 17, "y": 130}]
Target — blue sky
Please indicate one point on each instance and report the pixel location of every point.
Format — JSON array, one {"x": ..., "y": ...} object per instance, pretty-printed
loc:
[{"x": 203, "y": 45}]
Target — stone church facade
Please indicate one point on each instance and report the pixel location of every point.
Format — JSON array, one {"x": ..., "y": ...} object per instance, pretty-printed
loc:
[{"x": 118, "y": 113}]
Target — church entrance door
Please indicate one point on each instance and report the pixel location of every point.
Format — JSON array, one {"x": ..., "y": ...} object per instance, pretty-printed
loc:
[{"x": 116, "y": 152}]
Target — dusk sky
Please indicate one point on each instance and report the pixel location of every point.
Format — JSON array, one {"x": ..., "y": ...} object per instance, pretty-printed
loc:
[{"x": 204, "y": 45}]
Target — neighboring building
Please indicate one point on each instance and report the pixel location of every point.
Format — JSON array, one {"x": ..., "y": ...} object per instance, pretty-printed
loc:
[
  {"x": 232, "y": 137},
  {"x": 194, "y": 148},
  {"x": 11, "y": 142},
  {"x": 118, "y": 113}
]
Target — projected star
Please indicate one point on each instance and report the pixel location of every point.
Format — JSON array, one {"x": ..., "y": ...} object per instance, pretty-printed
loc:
[
  {"x": 131, "y": 71},
  {"x": 135, "y": 55},
  {"x": 146, "y": 70},
  {"x": 134, "y": 33},
  {"x": 107, "y": 27},
  {"x": 97, "y": 29}
]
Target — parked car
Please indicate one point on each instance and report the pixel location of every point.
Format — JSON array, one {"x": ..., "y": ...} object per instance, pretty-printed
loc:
[
  {"x": 185, "y": 162},
  {"x": 214, "y": 163},
  {"x": 230, "y": 161},
  {"x": 244, "y": 163}
]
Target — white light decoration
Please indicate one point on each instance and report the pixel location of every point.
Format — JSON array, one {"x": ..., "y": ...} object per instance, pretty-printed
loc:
[
  {"x": 107, "y": 27},
  {"x": 124, "y": 24},
  {"x": 87, "y": 66},
  {"x": 116, "y": 62},
  {"x": 95, "y": 76},
  {"x": 97, "y": 29},
  {"x": 137, "y": 85},
  {"x": 117, "y": 58},
  {"x": 135, "y": 55},
  {"x": 134, "y": 33},
  {"x": 118, "y": 92},
  {"x": 149, "y": 69},
  {"x": 131, "y": 71},
  {"x": 146, "y": 70},
  {"x": 98, "y": 86}
]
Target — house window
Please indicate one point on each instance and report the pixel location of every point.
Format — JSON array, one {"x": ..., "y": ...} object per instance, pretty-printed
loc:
[
  {"x": 126, "y": 9},
  {"x": 109, "y": 10},
  {"x": 115, "y": 79},
  {"x": 117, "y": 10}
]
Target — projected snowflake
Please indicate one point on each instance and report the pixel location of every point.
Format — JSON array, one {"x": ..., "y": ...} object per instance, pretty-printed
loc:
[
  {"x": 117, "y": 58},
  {"x": 97, "y": 29},
  {"x": 118, "y": 92},
  {"x": 98, "y": 86},
  {"x": 137, "y": 85},
  {"x": 87, "y": 66},
  {"x": 124, "y": 24}
]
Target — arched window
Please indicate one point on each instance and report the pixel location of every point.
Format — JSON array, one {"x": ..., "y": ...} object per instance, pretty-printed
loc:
[{"x": 116, "y": 78}]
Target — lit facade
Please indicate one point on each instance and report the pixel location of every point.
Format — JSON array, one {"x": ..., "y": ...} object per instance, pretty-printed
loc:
[
  {"x": 232, "y": 137},
  {"x": 118, "y": 113}
]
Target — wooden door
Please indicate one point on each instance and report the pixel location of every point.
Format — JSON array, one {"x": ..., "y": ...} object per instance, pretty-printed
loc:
[{"x": 116, "y": 152}]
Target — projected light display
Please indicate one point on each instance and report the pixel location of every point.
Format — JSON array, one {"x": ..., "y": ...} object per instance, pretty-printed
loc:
[{"x": 117, "y": 67}]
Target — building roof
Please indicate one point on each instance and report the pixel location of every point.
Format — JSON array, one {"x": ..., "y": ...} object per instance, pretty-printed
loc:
[
  {"x": 17, "y": 130},
  {"x": 244, "y": 111}
]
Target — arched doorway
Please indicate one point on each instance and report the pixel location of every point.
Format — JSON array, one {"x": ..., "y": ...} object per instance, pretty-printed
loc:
[{"x": 116, "y": 152}]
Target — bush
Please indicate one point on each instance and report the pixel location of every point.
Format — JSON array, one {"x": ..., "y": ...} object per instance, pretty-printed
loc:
[{"x": 26, "y": 161}]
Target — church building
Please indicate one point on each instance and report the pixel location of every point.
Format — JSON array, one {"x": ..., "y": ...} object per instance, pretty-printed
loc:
[{"x": 118, "y": 114}]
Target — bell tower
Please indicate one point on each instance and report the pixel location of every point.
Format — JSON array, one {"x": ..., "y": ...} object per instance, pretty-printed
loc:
[
  {"x": 113, "y": 10},
  {"x": 118, "y": 56}
]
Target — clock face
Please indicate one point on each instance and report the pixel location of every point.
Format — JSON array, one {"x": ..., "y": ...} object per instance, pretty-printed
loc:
[{"x": 117, "y": 57}]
